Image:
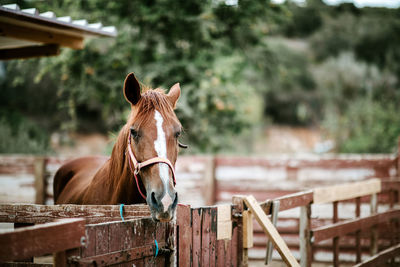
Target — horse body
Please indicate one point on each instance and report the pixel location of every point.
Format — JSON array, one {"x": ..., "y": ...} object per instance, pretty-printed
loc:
[{"x": 151, "y": 132}]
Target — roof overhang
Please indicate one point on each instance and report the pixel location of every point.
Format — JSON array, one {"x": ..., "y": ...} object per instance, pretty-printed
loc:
[{"x": 28, "y": 33}]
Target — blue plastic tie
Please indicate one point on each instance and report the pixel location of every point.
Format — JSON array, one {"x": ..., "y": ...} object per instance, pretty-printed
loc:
[
  {"x": 121, "y": 210},
  {"x": 155, "y": 255}
]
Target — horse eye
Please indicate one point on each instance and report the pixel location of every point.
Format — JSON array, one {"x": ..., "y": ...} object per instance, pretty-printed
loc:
[
  {"x": 177, "y": 134},
  {"x": 135, "y": 134}
]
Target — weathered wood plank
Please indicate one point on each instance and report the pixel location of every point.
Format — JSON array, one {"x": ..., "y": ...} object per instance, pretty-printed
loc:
[
  {"x": 349, "y": 226},
  {"x": 224, "y": 223},
  {"x": 184, "y": 231},
  {"x": 271, "y": 231},
  {"x": 346, "y": 191},
  {"x": 213, "y": 236},
  {"x": 42, "y": 239},
  {"x": 247, "y": 229},
  {"x": 205, "y": 237},
  {"x": 290, "y": 201},
  {"x": 197, "y": 230},
  {"x": 31, "y": 213},
  {"x": 381, "y": 258},
  {"x": 305, "y": 237}
]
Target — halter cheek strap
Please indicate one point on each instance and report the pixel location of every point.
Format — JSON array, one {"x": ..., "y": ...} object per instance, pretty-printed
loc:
[{"x": 137, "y": 166}]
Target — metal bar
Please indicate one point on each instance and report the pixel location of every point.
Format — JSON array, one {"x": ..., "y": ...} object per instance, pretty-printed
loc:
[
  {"x": 305, "y": 237},
  {"x": 274, "y": 220}
]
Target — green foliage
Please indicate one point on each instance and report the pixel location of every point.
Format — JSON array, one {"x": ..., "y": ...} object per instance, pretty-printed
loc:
[
  {"x": 18, "y": 135},
  {"x": 162, "y": 42},
  {"x": 361, "y": 109}
]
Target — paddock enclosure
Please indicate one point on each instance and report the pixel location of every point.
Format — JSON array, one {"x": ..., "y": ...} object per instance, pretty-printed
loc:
[{"x": 340, "y": 209}]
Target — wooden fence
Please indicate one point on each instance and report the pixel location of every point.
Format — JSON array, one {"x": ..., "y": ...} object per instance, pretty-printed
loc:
[{"x": 207, "y": 236}]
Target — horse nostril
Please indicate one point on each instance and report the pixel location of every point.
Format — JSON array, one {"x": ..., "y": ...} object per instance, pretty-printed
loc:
[
  {"x": 175, "y": 200},
  {"x": 153, "y": 199}
]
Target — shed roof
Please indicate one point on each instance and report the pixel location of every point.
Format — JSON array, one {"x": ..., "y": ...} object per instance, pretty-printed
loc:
[{"x": 29, "y": 33}]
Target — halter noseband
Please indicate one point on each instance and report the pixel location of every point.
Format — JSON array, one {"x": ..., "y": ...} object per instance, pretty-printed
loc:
[{"x": 137, "y": 166}]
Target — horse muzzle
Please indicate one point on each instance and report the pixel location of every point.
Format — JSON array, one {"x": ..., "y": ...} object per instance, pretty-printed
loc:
[{"x": 163, "y": 207}]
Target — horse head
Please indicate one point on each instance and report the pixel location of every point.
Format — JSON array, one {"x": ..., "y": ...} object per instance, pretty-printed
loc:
[{"x": 152, "y": 146}]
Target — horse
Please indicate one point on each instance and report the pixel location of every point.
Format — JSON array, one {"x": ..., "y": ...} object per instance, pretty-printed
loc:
[{"x": 142, "y": 162}]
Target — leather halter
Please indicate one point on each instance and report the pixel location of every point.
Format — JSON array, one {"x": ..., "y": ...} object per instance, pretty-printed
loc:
[{"x": 137, "y": 166}]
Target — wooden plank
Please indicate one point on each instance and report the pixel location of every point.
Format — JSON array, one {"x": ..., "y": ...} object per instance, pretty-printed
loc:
[
  {"x": 40, "y": 166},
  {"x": 305, "y": 236},
  {"x": 89, "y": 249},
  {"x": 30, "y": 52},
  {"x": 41, "y": 36},
  {"x": 184, "y": 231},
  {"x": 31, "y": 213},
  {"x": 346, "y": 191},
  {"x": 213, "y": 236},
  {"x": 196, "y": 237},
  {"x": 221, "y": 251},
  {"x": 381, "y": 258},
  {"x": 224, "y": 222},
  {"x": 374, "y": 230},
  {"x": 102, "y": 239},
  {"x": 42, "y": 239},
  {"x": 205, "y": 237},
  {"x": 349, "y": 226},
  {"x": 247, "y": 229},
  {"x": 271, "y": 231},
  {"x": 295, "y": 200},
  {"x": 239, "y": 255},
  {"x": 123, "y": 256}
]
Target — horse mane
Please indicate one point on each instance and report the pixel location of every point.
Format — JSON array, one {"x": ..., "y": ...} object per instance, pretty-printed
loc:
[{"x": 151, "y": 99}]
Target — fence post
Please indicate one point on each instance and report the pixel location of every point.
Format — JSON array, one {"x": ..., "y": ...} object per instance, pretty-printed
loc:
[
  {"x": 40, "y": 180},
  {"x": 242, "y": 253},
  {"x": 305, "y": 236}
]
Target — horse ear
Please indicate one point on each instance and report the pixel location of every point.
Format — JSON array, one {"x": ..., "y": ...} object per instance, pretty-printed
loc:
[
  {"x": 132, "y": 89},
  {"x": 174, "y": 94}
]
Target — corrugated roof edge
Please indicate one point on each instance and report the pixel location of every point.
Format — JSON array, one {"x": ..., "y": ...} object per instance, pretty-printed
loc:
[{"x": 48, "y": 18}]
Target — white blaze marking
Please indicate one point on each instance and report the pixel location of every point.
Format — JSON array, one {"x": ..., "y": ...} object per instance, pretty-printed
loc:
[{"x": 160, "y": 146}]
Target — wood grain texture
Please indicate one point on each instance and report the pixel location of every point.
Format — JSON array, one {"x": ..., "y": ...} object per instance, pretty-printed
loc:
[
  {"x": 31, "y": 213},
  {"x": 224, "y": 222},
  {"x": 271, "y": 231},
  {"x": 346, "y": 191},
  {"x": 42, "y": 239}
]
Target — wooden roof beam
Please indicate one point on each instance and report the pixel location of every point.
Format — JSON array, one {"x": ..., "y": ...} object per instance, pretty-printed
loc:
[{"x": 30, "y": 51}]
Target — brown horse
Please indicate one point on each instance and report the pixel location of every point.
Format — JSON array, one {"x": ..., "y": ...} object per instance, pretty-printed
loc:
[{"x": 146, "y": 151}]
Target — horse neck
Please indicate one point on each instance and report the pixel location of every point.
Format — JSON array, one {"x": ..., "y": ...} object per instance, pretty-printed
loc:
[{"x": 122, "y": 181}]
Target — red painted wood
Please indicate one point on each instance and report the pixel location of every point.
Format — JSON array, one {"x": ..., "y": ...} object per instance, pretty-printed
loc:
[
  {"x": 213, "y": 236},
  {"x": 358, "y": 233},
  {"x": 205, "y": 237},
  {"x": 90, "y": 245},
  {"x": 196, "y": 237},
  {"x": 236, "y": 248},
  {"x": 102, "y": 239},
  {"x": 184, "y": 235},
  {"x": 221, "y": 252},
  {"x": 27, "y": 242}
]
